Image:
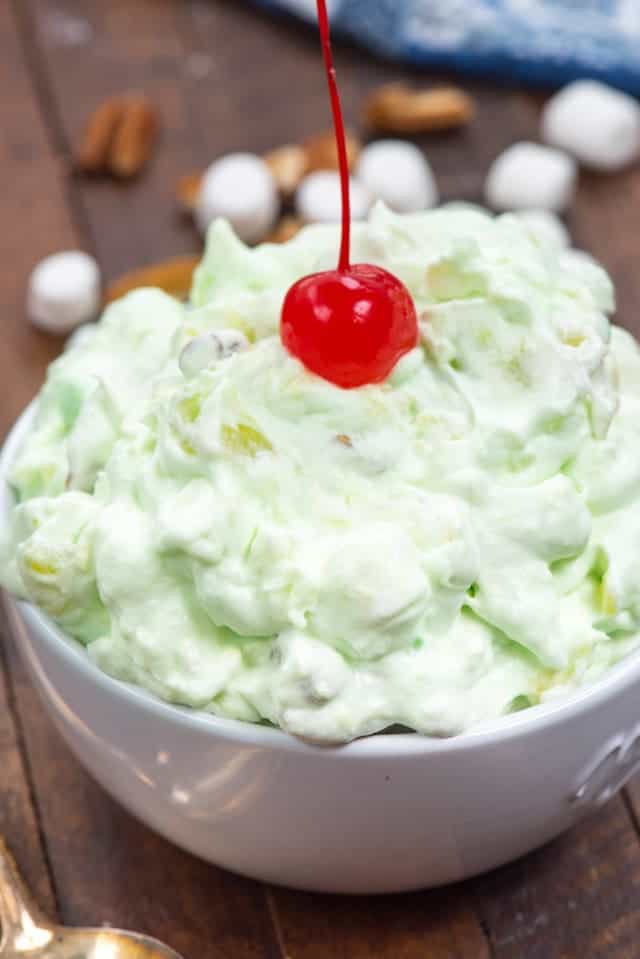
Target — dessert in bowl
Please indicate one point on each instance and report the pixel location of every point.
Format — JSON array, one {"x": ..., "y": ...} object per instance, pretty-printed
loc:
[{"x": 230, "y": 543}]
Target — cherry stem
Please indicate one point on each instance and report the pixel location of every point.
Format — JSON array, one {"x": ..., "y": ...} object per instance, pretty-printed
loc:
[{"x": 338, "y": 122}]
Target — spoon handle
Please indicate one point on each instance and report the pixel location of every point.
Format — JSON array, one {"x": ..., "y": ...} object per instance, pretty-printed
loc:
[{"x": 18, "y": 909}]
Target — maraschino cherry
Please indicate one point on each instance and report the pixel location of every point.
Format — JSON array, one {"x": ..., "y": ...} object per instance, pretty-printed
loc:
[{"x": 349, "y": 325}]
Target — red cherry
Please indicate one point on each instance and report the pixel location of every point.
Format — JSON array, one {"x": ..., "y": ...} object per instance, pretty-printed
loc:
[{"x": 350, "y": 326}]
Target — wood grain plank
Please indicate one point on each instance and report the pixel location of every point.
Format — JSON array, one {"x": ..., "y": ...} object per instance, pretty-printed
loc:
[
  {"x": 18, "y": 816},
  {"x": 577, "y": 897},
  {"x": 605, "y": 222},
  {"x": 35, "y": 222},
  {"x": 632, "y": 798},
  {"x": 440, "y": 924},
  {"x": 121, "y": 46}
]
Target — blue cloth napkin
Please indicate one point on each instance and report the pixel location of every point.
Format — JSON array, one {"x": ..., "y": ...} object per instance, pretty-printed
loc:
[{"x": 544, "y": 42}]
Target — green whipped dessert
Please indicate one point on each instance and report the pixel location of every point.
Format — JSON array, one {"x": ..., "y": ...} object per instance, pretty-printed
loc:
[{"x": 233, "y": 533}]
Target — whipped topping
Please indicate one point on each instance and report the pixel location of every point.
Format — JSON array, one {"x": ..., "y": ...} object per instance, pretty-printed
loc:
[{"x": 235, "y": 534}]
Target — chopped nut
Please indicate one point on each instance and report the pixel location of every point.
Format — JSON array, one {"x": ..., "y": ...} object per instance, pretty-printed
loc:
[
  {"x": 322, "y": 151},
  {"x": 285, "y": 230},
  {"x": 396, "y": 108},
  {"x": 174, "y": 276},
  {"x": 288, "y": 164},
  {"x": 119, "y": 137},
  {"x": 188, "y": 188},
  {"x": 344, "y": 439},
  {"x": 134, "y": 137},
  {"x": 95, "y": 146}
]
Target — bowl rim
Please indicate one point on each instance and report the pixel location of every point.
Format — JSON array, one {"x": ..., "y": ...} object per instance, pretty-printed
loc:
[{"x": 530, "y": 721}]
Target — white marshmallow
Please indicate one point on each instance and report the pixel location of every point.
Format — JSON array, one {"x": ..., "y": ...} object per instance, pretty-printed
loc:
[
  {"x": 205, "y": 350},
  {"x": 241, "y": 188},
  {"x": 599, "y": 125},
  {"x": 528, "y": 176},
  {"x": 546, "y": 228},
  {"x": 397, "y": 172},
  {"x": 63, "y": 291},
  {"x": 318, "y": 198}
]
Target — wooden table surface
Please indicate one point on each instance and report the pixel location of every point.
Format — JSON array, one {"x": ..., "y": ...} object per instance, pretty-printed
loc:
[{"x": 227, "y": 78}]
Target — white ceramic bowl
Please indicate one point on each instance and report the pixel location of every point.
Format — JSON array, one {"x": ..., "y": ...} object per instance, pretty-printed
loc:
[{"x": 384, "y": 814}]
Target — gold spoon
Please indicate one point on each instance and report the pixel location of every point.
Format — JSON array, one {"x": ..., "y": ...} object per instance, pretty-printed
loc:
[{"x": 26, "y": 933}]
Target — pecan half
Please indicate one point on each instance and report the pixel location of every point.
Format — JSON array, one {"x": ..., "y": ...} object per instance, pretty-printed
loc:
[
  {"x": 396, "y": 108},
  {"x": 322, "y": 151},
  {"x": 288, "y": 164},
  {"x": 134, "y": 137},
  {"x": 94, "y": 148},
  {"x": 119, "y": 136},
  {"x": 188, "y": 188}
]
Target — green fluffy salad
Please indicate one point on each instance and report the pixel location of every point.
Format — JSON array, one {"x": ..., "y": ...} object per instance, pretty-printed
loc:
[{"x": 220, "y": 526}]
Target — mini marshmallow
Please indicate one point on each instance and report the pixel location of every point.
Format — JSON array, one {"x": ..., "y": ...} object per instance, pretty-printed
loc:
[
  {"x": 547, "y": 229},
  {"x": 63, "y": 291},
  {"x": 241, "y": 188},
  {"x": 528, "y": 176},
  {"x": 318, "y": 198},
  {"x": 397, "y": 172},
  {"x": 598, "y": 125},
  {"x": 205, "y": 350}
]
